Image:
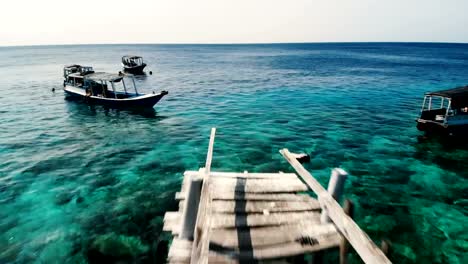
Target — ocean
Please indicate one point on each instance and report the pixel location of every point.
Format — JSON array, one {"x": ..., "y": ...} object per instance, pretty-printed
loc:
[{"x": 85, "y": 184}]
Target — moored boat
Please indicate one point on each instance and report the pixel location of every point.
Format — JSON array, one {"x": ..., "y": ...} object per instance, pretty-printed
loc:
[
  {"x": 93, "y": 87},
  {"x": 133, "y": 64},
  {"x": 445, "y": 112}
]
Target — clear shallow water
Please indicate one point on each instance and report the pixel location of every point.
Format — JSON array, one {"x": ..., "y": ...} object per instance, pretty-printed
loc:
[{"x": 76, "y": 180}]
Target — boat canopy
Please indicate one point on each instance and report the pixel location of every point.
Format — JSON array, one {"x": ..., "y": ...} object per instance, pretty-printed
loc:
[
  {"x": 132, "y": 60},
  {"x": 458, "y": 96},
  {"x": 104, "y": 76},
  {"x": 73, "y": 66},
  {"x": 131, "y": 57}
]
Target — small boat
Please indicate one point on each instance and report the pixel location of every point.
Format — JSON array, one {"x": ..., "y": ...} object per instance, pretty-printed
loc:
[
  {"x": 445, "y": 112},
  {"x": 93, "y": 87},
  {"x": 133, "y": 64}
]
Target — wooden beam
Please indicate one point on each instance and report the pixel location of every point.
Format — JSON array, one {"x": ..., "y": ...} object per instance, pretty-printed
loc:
[
  {"x": 209, "y": 155},
  {"x": 363, "y": 245},
  {"x": 200, "y": 247}
]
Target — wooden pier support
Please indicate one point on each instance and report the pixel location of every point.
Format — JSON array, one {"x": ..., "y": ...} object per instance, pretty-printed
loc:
[{"x": 348, "y": 208}]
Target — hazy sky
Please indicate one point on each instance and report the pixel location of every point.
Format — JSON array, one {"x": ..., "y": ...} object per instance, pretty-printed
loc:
[{"x": 30, "y": 22}]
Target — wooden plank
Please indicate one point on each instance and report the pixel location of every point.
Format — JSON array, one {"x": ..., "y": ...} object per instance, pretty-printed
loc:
[
  {"x": 180, "y": 252},
  {"x": 232, "y": 195},
  {"x": 223, "y": 206},
  {"x": 298, "y": 202},
  {"x": 363, "y": 245},
  {"x": 263, "y": 196},
  {"x": 171, "y": 221},
  {"x": 250, "y": 175},
  {"x": 296, "y": 248},
  {"x": 229, "y": 220},
  {"x": 260, "y": 185},
  {"x": 271, "y": 235}
]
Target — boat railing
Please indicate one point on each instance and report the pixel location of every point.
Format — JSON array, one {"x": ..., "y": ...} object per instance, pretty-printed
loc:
[{"x": 436, "y": 109}]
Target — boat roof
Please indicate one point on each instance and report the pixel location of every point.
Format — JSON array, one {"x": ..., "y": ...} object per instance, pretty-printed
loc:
[
  {"x": 104, "y": 76},
  {"x": 461, "y": 91},
  {"x": 73, "y": 66},
  {"x": 131, "y": 57}
]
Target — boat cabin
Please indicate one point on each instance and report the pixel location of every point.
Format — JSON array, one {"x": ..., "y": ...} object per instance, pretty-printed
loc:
[
  {"x": 132, "y": 61},
  {"x": 444, "y": 109}
]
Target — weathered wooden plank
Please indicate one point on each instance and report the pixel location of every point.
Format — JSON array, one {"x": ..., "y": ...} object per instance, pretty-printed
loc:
[
  {"x": 263, "y": 196},
  {"x": 296, "y": 248},
  {"x": 181, "y": 249},
  {"x": 260, "y": 185},
  {"x": 171, "y": 221},
  {"x": 363, "y": 245},
  {"x": 249, "y": 175},
  {"x": 233, "y": 195},
  {"x": 223, "y": 206},
  {"x": 271, "y": 235},
  {"x": 229, "y": 220}
]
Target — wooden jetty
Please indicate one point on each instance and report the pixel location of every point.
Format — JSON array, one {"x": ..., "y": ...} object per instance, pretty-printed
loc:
[{"x": 231, "y": 217}]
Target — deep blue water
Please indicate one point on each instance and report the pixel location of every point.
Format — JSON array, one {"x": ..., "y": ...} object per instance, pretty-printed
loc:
[{"x": 76, "y": 179}]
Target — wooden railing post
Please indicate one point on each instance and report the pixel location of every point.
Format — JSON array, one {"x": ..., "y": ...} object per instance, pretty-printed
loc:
[
  {"x": 348, "y": 208},
  {"x": 385, "y": 245},
  {"x": 335, "y": 188},
  {"x": 201, "y": 240}
]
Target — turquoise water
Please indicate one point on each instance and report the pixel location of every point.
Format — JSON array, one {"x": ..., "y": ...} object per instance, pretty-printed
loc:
[{"x": 81, "y": 183}]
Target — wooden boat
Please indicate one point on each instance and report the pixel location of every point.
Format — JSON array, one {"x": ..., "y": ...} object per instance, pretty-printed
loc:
[
  {"x": 93, "y": 87},
  {"x": 445, "y": 112},
  {"x": 133, "y": 64}
]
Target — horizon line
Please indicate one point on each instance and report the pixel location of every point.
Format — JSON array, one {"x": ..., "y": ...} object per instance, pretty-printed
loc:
[{"x": 237, "y": 43}]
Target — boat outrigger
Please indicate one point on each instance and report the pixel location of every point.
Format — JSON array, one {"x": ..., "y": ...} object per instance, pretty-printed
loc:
[
  {"x": 445, "y": 112},
  {"x": 84, "y": 83},
  {"x": 133, "y": 64}
]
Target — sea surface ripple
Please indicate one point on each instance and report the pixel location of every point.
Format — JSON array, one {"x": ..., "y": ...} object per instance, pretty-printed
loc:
[{"x": 78, "y": 179}]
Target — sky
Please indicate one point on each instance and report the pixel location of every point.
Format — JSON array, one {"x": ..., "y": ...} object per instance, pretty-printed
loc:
[{"x": 42, "y": 22}]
